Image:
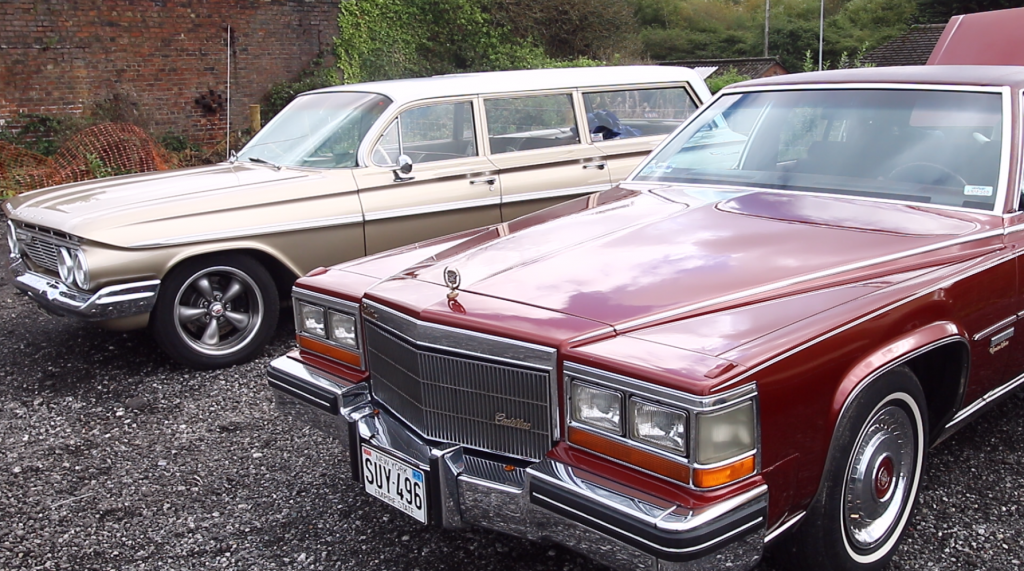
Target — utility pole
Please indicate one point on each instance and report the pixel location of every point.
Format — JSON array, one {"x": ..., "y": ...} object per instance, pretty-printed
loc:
[
  {"x": 767, "y": 7},
  {"x": 821, "y": 33}
]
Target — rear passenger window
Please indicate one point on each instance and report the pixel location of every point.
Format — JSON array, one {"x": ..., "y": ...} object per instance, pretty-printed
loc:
[
  {"x": 636, "y": 112},
  {"x": 427, "y": 134},
  {"x": 524, "y": 123}
]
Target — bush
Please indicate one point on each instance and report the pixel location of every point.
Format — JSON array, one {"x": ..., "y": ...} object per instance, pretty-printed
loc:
[{"x": 731, "y": 76}]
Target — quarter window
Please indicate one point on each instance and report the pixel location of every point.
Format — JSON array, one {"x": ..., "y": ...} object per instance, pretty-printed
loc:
[
  {"x": 525, "y": 123},
  {"x": 636, "y": 112},
  {"x": 429, "y": 133}
]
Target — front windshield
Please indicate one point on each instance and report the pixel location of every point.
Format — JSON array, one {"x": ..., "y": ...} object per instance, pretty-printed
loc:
[
  {"x": 927, "y": 146},
  {"x": 319, "y": 130}
]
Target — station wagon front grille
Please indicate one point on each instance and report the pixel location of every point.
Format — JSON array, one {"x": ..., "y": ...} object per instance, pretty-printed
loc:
[
  {"x": 42, "y": 243},
  {"x": 462, "y": 399}
]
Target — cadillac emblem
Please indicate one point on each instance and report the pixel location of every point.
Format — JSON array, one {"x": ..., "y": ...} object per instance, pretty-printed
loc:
[{"x": 453, "y": 279}]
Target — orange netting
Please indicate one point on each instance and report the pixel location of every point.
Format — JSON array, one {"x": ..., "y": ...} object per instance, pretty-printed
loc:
[{"x": 104, "y": 150}]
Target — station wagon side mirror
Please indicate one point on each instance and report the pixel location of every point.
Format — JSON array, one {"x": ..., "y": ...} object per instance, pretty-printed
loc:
[{"x": 404, "y": 167}]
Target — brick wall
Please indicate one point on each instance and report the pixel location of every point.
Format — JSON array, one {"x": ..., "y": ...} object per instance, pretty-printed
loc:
[{"x": 60, "y": 57}]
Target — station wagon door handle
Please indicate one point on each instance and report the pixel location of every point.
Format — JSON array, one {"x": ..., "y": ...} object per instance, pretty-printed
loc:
[
  {"x": 488, "y": 181},
  {"x": 600, "y": 165}
]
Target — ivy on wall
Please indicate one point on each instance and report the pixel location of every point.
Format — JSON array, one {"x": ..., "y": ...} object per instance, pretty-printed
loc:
[{"x": 389, "y": 39}]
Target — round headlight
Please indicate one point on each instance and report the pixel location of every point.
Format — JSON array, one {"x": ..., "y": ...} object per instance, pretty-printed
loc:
[
  {"x": 81, "y": 270},
  {"x": 12, "y": 239},
  {"x": 66, "y": 265}
]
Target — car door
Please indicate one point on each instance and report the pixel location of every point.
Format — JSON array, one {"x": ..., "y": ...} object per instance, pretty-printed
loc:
[
  {"x": 535, "y": 142},
  {"x": 450, "y": 188},
  {"x": 626, "y": 123}
]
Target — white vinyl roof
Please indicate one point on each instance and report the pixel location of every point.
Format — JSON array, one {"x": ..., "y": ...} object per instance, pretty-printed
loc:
[{"x": 483, "y": 83}]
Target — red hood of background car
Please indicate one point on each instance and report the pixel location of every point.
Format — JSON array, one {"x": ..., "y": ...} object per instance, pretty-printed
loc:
[{"x": 666, "y": 250}]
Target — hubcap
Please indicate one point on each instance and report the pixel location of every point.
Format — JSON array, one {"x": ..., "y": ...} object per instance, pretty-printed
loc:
[
  {"x": 218, "y": 310},
  {"x": 879, "y": 478}
]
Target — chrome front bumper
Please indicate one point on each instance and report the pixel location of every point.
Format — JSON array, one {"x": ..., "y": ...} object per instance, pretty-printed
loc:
[
  {"x": 111, "y": 302},
  {"x": 625, "y": 528}
]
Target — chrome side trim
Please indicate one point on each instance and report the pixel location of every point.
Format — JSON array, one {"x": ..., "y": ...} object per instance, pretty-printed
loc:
[
  {"x": 506, "y": 198},
  {"x": 868, "y": 317},
  {"x": 990, "y": 398},
  {"x": 803, "y": 279},
  {"x": 593, "y": 334},
  {"x": 430, "y": 208},
  {"x": 252, "y": 231},
  {"x": 461, "y": 341},
  {"x": 990, "y": 330},
  {"x": 788, "y": 524}
]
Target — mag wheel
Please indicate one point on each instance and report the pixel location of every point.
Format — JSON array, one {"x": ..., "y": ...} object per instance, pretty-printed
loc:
[
  {"x": 871, "y": 480},
  {"x": 215, "y": 311}
]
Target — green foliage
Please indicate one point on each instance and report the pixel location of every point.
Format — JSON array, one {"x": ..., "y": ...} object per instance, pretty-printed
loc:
[
  {"x": 940, "y": 11},
  {"x": 280, "y": 94},
  {"x": 731, "y": 76},
  {"x": 100, "y": 169},
  {"x": 43, "y": 134},
  {"x": 388, "y": 39}
]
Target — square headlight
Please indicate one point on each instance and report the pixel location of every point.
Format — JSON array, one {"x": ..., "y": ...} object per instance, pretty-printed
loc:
[
  {"x": 599, "y": 408},
  {"x": 311, "y": 320},
  {"x": 658, "y": 426},
  {"x": 724, "y": 435},
  {"x": 343, "y": 329}
]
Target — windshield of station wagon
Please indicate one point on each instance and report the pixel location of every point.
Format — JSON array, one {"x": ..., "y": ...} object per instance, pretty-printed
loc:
[
  {"x": 926, "y": 146},
  {"x": 320, "y": 130}
]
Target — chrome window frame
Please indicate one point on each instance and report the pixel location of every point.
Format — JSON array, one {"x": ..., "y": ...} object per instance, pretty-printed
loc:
[
  {"x": 575, "y": 105},
  {"x": 378, "y": 131},
  {"x": 691, "y": 404},
  {"x": 1002, "y": 181},
  {"x": 330, "y": 304}
]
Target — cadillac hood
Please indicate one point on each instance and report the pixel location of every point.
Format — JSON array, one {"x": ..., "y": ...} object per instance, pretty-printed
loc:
[
  {"x": 126, "y": 210},
  {"x": 672, "y": 252}
]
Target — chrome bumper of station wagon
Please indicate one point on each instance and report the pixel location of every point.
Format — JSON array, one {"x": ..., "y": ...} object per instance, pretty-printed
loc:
[
  {"x": 112, "y": 302},
  {"x": 544, "y": 501}
]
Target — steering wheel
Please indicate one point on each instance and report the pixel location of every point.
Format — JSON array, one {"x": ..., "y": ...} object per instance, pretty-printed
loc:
[{"x": 927, "y": 173}]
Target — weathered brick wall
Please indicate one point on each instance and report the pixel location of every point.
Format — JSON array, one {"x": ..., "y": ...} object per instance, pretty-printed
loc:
[{"x": 61, "y": 57}]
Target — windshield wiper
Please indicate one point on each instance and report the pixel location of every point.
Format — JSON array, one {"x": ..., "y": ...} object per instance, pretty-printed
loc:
[{"x": 265, "y": 162}]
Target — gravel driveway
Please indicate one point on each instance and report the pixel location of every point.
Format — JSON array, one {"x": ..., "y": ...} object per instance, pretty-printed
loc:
[{"x": 113, "y": 457}]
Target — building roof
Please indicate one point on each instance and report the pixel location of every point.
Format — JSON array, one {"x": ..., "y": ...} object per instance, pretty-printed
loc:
[
  {"x": 911, "y": 48},
  {"x": 752, "y": 67},
  {"x": 483, "y": 83},
  {"x": 973, "y": 75}
]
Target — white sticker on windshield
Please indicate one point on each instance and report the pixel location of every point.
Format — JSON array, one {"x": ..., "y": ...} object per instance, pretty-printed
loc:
[{"x": 971, "y": 190}]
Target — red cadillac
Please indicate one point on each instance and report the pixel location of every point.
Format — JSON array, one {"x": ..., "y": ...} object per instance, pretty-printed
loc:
[{"x": 756, "y": 337}]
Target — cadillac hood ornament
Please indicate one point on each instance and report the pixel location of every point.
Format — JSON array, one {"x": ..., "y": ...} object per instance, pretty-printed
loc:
[{"x": 453, "y": 279}]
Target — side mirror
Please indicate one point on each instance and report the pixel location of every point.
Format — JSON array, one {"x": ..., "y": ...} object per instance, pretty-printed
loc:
[{"x": 404, "y": 167}]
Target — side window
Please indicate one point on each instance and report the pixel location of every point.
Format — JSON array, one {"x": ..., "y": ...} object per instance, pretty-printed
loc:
[
  {"x": 429, "y": 133},
  {"x": 524, "y": 123},
  {"x": 636, "y": 112}
]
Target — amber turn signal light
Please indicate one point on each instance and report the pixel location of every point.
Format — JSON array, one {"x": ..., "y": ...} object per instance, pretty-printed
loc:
[
  {"x": 630, "y": 455},
  {"x": 714, "y": 477},
  {"x": 331, "y": 351}
]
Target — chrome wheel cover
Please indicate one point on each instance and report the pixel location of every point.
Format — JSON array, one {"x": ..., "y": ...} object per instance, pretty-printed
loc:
[
  {"x": 218, "y": 310},
  {"x": 879, "y": 478}
]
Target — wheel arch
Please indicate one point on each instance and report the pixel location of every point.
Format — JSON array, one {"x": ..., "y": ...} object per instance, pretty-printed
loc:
[{"x": 283, "y": 273}]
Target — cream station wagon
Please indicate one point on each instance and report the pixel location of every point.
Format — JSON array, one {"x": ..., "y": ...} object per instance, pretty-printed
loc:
[{"x": 202, "y": 255}]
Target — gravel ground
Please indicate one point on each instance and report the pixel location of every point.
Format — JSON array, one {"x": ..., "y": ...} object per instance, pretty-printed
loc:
[{"x": 113, "y": 457}]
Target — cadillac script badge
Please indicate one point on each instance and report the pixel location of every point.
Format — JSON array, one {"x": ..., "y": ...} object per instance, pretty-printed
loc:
[{"x": 454, "y": 280}]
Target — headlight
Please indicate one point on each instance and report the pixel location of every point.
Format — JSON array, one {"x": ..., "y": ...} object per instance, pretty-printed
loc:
[
  {"x": 66, "y": 265},
  {"x": 81, "y": 270},
  {"x": 724, "y": 435},
  {"x": 12, "y": 239},
  {"x": 343, "y": 329},
  {"x": 658, "y": 426},
  {"x": 596, "y": 407},
  {"x": 311, "y": 320}
]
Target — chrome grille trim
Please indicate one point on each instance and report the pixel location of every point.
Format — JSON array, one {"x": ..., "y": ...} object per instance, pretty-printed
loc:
[
  {"x": 450, "y": 394},
  {"x": 42, "y": 243}
]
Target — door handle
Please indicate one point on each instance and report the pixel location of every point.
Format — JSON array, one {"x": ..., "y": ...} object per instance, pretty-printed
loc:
[
  {"x": 488, "y": 180},
  {"x": 599, "y": 165}
]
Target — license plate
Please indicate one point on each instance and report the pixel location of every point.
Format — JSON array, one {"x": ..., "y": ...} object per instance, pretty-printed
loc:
[{"x": 396, "y": 483}]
